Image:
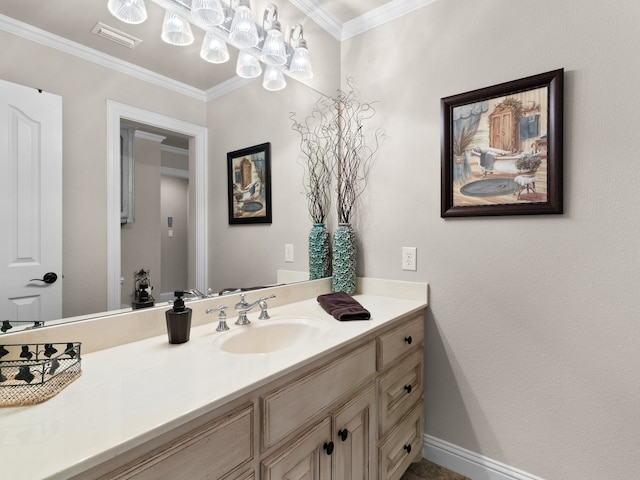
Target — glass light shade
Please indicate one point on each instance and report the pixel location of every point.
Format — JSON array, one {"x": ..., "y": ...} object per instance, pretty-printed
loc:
[
  {"x": 300, "y": 67},
  {"x": 248, "y": 66},
  {"x": 273, "y": 49},
  {"x": 176, "y": 30},
  {"x": 208, "y": 12},
  {"x": 273, "y": 79},
  {"x": 243, "y": 32},
  {"x": 129, "y": 11},
  {"x": 214, "y": 49}
]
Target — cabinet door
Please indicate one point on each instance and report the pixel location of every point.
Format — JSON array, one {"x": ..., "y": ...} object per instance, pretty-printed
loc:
[
  {"x": 354, "y": 437},
  {"x": 306, "y": 458}
]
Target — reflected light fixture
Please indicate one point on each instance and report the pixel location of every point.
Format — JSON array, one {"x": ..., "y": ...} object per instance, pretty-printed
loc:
[
  {"x": 247, "y": 65},
  {"x": 213, "y": 49},
  {"x": 230, "y": 22},
  {"x": 274, "y": 51},
  {"x": 129, "y": 11},
  {"x": 176, "y": 30},
  {"x": 300, "y": 67},
  {"x": 273, "y": 79},
  {"x": 243, "y": 32},
  {"x": 208, "y": 12}
]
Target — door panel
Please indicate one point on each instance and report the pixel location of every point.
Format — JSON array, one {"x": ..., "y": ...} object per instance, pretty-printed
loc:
[{"x": 31, "y": 203}]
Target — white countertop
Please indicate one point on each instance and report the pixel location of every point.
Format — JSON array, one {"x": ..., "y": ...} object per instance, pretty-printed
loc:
[{"x": 131, "y": 393}]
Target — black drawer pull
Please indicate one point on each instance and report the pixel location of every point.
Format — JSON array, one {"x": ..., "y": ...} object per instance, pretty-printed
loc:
[
  {"x": 328, "y": 447},
  {"x": 343, "y": 434},
  {"x": 408, "y": 388},
  {"x": 408, "y": 339},
  {"x": 407, "y": 448}
]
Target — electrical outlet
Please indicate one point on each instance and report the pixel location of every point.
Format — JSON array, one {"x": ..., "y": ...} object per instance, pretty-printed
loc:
[
  {"x": 288, "y": 252},
  {"x": 409, "y": 258}
]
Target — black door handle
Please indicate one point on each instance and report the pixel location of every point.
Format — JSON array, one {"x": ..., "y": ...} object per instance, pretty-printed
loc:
[{"x": 49, "y": 277}]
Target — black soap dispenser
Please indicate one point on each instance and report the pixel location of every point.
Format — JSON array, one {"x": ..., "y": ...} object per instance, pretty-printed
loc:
[{"x": 178, "y": 320}]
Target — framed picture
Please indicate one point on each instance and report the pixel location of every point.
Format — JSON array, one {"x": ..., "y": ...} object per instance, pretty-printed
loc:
[
  {"x": 501, "y": 149},
  {"x": 249, "y": 184}
]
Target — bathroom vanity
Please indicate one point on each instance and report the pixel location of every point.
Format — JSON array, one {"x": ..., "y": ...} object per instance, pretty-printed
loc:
[{"x": 321, "y": 400}]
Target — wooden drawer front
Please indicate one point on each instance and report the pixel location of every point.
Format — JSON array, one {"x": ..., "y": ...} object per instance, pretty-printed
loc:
[
  {"x": 285, "y": 409},
  {"x": 392, "y": 345},
  {"x": 304, "y": 458},
  {"x": 399, "y": 389},
  {"x": 397, "y": 342},
  {"x": 402, "y": 446},
  {"x": 208, "y": 452}
]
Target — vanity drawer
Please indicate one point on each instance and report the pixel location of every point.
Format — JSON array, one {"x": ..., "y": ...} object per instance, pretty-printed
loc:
[
  {"x": 208, "y": 452},
  {"x": 392, "y": 345},
  {"x": 302, "y": 398},
  {"x": 402, "y": 446},
  {"x": 399, "y": 389}
]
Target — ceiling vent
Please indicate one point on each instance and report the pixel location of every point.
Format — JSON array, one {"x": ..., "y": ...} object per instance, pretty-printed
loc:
[{"x": 110, "y": 33}]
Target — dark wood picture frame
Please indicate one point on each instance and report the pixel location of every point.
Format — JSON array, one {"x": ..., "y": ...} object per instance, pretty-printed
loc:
[
  {"x": 501, "y": 149},
  {"x": 249, "y": 185}
]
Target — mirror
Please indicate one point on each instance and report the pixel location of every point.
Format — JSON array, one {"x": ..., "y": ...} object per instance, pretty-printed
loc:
[{"x": 96, "y": 94}]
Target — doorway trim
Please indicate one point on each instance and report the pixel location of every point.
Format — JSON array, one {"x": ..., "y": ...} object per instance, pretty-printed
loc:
[{"x": 116, "y": 112}]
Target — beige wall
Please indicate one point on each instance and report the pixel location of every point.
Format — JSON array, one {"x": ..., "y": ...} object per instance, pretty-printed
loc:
[{"x": 533, "y": 339}]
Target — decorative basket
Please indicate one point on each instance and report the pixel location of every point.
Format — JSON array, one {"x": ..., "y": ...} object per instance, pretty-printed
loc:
[{"x": 33, "y": 373}]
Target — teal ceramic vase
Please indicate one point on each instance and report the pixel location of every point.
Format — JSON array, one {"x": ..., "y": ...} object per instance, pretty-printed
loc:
[
  {"x": 344, "y": 259},
  {"x": 319, "y": 252}
]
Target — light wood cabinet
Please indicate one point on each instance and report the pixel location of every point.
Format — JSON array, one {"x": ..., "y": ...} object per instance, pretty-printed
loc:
[
  {"x": 354, "y": 435},
  {"x": 307, "y": 458},
  {"x": 354, "y": 414},
  {"x": 210, "y": 451}
]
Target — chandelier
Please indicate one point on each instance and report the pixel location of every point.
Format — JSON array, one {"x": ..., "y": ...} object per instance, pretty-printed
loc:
[{"x": 231, "y": 24}]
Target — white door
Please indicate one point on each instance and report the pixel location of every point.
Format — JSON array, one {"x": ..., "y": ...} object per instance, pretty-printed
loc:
[{"x": 30, "y": 205}]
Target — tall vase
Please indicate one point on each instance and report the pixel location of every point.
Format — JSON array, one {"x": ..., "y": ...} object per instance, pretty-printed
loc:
[
  {"x": 319, "y": 252},
  {"x": 344, "y": 259}
]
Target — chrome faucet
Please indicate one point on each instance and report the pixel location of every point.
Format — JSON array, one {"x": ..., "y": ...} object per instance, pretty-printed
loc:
[
  {"x": 242, "y": 307},
  {"x": 198, "y": 293}
]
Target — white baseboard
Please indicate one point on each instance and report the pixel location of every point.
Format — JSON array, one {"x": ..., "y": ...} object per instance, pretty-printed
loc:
[{"x": 468, "y": 463}]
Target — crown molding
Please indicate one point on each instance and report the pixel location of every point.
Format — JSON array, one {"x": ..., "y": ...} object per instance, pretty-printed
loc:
[
  {"x": 321, "y": 16},
  {"x": 379, "y": 16},
  {"x": 48, "y": 39}
]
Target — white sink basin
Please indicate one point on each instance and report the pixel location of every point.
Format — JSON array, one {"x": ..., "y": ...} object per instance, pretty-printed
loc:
[{"x": 268, "y": 336}]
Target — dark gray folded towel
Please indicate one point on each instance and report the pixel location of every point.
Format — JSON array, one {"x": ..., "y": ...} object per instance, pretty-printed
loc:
[{"x": 343, "y": 306}]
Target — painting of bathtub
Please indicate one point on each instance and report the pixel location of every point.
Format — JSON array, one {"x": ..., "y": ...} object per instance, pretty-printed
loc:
[
  {"x": 502, "y": 148},
  {"x": 495, "y": 160},
  {"x": 249, "y": 185}
]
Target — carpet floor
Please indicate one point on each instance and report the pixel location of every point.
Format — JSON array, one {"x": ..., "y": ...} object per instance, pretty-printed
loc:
[{"x": 426, "y": 470}]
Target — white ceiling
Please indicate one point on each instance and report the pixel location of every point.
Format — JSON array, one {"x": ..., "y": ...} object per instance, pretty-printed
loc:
[{"x": 67, "y": 24}]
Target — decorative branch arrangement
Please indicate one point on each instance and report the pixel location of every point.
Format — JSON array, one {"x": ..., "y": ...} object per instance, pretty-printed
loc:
[
  {"x": 333, "y": 143},
  {"x": 352, "y": 151},
  {"x": 315, "y": 146}
]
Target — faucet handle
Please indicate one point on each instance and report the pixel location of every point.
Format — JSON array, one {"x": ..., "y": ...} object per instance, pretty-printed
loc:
[
  {"x": 262, "y": 303},
  {"x": 222, "y": 317}
]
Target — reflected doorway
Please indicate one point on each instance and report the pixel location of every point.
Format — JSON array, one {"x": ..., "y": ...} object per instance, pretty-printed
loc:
[
  {"x": 197, "y": 243},
  {"x": 154, "y": 236}
]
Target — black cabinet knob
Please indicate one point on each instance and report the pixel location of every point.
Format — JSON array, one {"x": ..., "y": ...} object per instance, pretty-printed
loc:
[
  {"x": 343, "y": 434},
  {"x": 408, "y": 339},
  {"x": 408, "y": 388},
  {"x": 407, "y": 448},
  {"x": 328, "y": 447}
]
